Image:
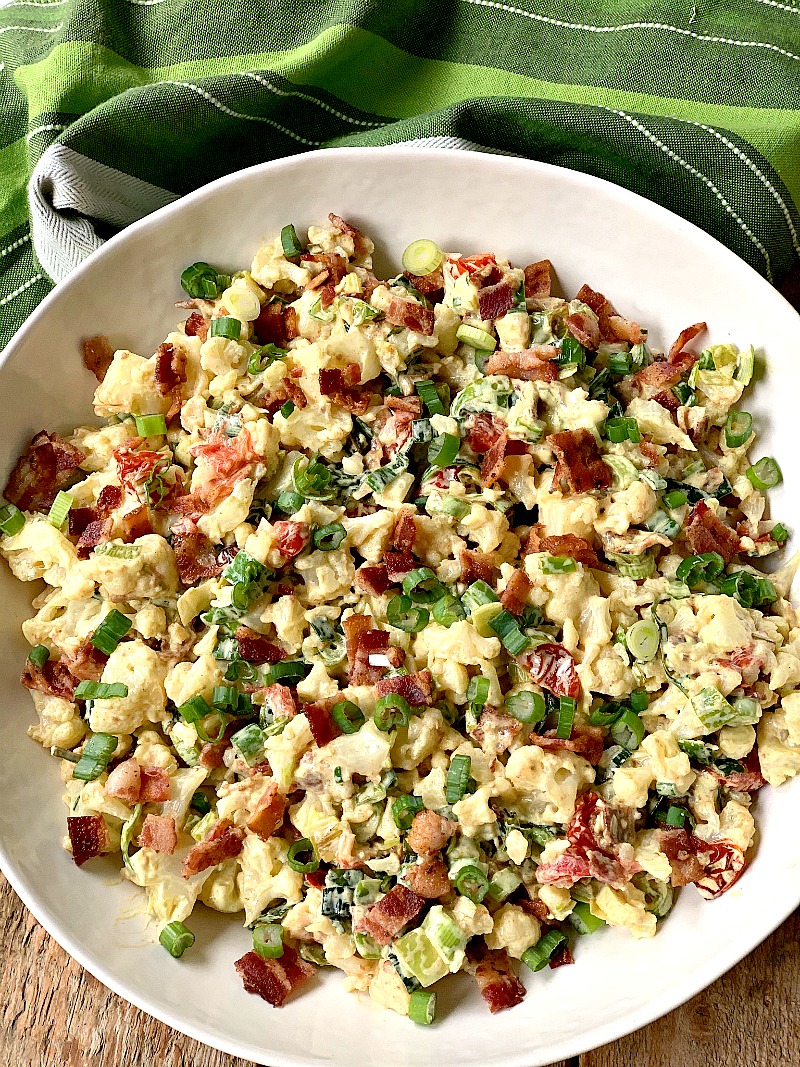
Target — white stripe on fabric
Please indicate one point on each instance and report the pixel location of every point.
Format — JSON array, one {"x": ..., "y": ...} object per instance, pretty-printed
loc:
[
  {"x": 33, "y": 29},
  {"x": 626, "y": 26},
  {"x": 32, "y": 3},
  {"x": 14, "y": 245},
  {"x": 50, "y": 127},
  {"x": 146, "y": 3},
  {"x": 31, "y": 281},
  {"x": 782, "y": 7},
  {"x": 701, "y": 177},
  {"x": 238, "y": 115},
  {"x": 450, "y": 142},
  {"x": 305, "y": 96}
]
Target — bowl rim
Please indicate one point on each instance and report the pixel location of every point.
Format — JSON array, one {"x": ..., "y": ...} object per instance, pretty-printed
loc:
[{"x": 662, "y": 1003}]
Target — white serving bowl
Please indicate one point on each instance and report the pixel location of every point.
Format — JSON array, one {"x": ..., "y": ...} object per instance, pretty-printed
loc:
[{"x": 657, "y": 269}]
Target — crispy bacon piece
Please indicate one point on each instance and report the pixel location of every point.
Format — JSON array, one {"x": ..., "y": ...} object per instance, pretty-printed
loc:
[
  {"x": 194, "y": 553},
  {"x": 585, "y": 328},
  {"x": 109, "y": 498},
  {"x": 155, "y": 785},
  {"x": 170, "y": 370},
  {"x": 46, "y": 466},
  {"x": 496, "y": 731},
  {"x": 514, "y": 597},
  {"x": 136, "y": 523},
  {"x": 405, "y": 530},
  {"x": 428, "y": 878},
  {"x": 390, "y": 915},
  {"x": 334, "y": 268},
  {"x": 494, "y": 461},
  {"x": 578, "y": 461},
  {"x": 427, "y": 283},
  {"x": 78, "y": 519},
  {"x": 533, "y": 365},
  {"x": 678, "y": 846},
  {"x": 482, "y": 432},
  {"x": 327, "y": 295},
  {"x": 361, "y": 244},
  {"x": 411, "y": 315},
  {"x": 666, "y": 400},
  {"x": 354, "y": 627},
  {"x": 224, "y": 842},
  {"x": 713, "y": 866},
  {"x": 255, "y": 648},
  {"x": 538, "y": 279},
  {"x": 97, "y": 532},
  {"x": 268, "y": 816},
  {"x": 295, "y": 392},
  {"x": 280, "y": 699},
  {"x": 552, "y": 667},
  {"x": 562, "y": 958},
  {"x": 270, "y": 326},
  {"x": 587, "y": 741},
  {"x": 290, "y": 323},
  {"x": 125, "y": 782},
  {"x": 338, "y": 384},
  {"x": 371, "y": 642},
  {"x": 53, "y": 678},
  {"x": 750, "y": 780},
  {"x": 230, "y": 459},
  {"x": 706, "y": 532},
  {"x": 159, "y": 833},
  {"x": 134, "y": 465},
  {"x": 373, "y": 579},
  {"x": 416, "y": 688},
  {"x": 412, "y": 405},
  {"x": 663, "y": 373},
  {"x": 87, "y": 662},
  {"x": 495, "y": 300},
  {"x": 429, "y": 832},
  {"x": 196, "y": 326},
  {"x": 98, "y": 356},
  {"x": 595, "y": 833},
  {"x": 321, "y": 722},
  {"x": 613, "y": 327},
  {"x": 498, "y": 984},
  {"x": 273, "y": 980},
  {"x": 684, "y": 338},
  {"x": 398, "y": 564},
  {"x": 88, "y": 837},
  {"x": 291, "y": 537},
  {"x": 476, "y": 566},
  {"x": 563, "y": 545}
]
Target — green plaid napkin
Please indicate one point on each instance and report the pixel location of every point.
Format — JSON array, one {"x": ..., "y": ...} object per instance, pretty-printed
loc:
[{"x": 111, "y": 108}]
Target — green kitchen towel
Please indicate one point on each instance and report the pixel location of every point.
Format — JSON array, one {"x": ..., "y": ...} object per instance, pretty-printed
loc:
[{"x": 111, "y": 108}]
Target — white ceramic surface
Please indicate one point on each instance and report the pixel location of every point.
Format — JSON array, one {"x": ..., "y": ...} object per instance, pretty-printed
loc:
[{"x": 657, "y": 269}]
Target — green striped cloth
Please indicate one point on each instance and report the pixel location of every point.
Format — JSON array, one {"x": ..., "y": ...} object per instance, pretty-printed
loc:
[{"x": 111, "y": 108}]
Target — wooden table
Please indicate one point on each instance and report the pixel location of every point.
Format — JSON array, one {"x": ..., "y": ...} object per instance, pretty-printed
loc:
[{"x": 55, "y": 1015}]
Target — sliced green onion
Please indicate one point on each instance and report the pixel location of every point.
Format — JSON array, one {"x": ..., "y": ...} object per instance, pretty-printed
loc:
[
  {"x": 391, "y": 712},
  {"x": 750, "y": 591},
  {"x": 620, "y": 363},
  {"x": 110, "y": 631},
  {"x": 443, "y": 449},
  {"x": 302, "y": 856},
  {"x": 422, "y": 1007},
  {"x": 348, "y": 716},
  {"x": 745, "y": 366},
  {"x": 675, "y": 499},
  {"x": 378, "y": 479},
  {"x": 313, "y": 479},
  {"x": 423, "y": 586},
  {"x": 200, "y": 803},
  {"x": 421, "y": 431},
  {"x": 572, "y": 353},
  {"x": 406, "y": 616},
  {"x": 622, "y": 429},
  {"x": 287, "y": 408},
  {"x": 150, "y": 425},
  {"x": 100, "y": 690},
  {"x": 642, "y": 640},
  {"x": 676, "y": 815},
  {"x": 779, "y": 533},
  {"x": 582, "y": 919},
  {"x": 321, "y": 314},
  {"x": 566, "y": 718},
  {"x": 628, "y": 730},
  {"x": 526, "y": 706},
  {"x": 478, "y": 593},
  {"x": 639, "y": 700},
  {"x": 204, "y": 282},
  {"x": 289, "y": 242},
  {"x": 539, "y": 955},
  {"x": 268, "y": 940},
  {"x": 472, "y": 883},
  {"x": 176, "y": 937},
  {"x": 59, "y": 509},
  {"x": 738, "y": 428},
  {"x": 507, "y": 629},
  {"x": 478, "y": 690},
  {"x": 249, "y": 743},
  {"x": 290, "y": 671},
  {"x": 96, "y": 754},
  {"x": 226, "y": 327},
  {"x": 429, "y": 396},
  {"x": 606, "y": 714},
  {"x": 477, "y": 338},
  {"x": 11, "y": 519},
  {"x": 457, "y": 778},
  {"x": 558, "y": 565},
  {"x": 636, "y": 567},
  {"x": 765, "y": 474},
  {"x": 289, "y": 502},
  {"x": 685, "y": 394},
  {"x": 662, "y": 523},
  {"x": 451, "y": 505},
  {"x": 448, "y": 609},
  {"x": 327, "y": 538},
  {"x": 422, "y": 257},
  {"x": 696, "y": 569},
  {"x": 264, "y": 357},
  {"x": 39, "y": 655},
  {"x": 404, "y": 809}
]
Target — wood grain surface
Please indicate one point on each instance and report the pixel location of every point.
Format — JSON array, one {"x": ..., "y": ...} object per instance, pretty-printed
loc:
[{"x": 54, "y": 1014}]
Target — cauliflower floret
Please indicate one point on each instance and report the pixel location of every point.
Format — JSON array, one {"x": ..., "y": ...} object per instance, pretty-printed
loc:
[
  {"x": 648, "y": 854},
  {"x": 387, "y": 989},
  {"x": 791, "y": 709},
  {"x": 317, "y": 685},
  {"x": 656, "y": 421},
  {"x": 370, "y": 534},
  {"x": 186, "y": 680},
  {"x": 631, "y": 785},
  {"x": 229, "y": 513},
  {"x": 514, "y": 331},
  {"x": 669, "y": 763},
  {"x": 486, "y": 527},
  {"x": 152, "y": 573},
  {"x": 418, "y": 740},
  {"x": 627, "y": 507},
  {"x": 514, "y": 930},
  {"x": 780, "y": 759},
  {"x": 98, "y": 443},
  {"x": 265, "y": 876},
  {"x": 472, "y": 919},
  {"x": 547, "y": 783},
  {"x": 319, "y": 428},
  {"x": 566, "y": 594},
  {"x": 567, "y": 514},
  {"x": 170, "y": 896},
  {"x": 221, "y": 890},
  {"x": 197, "y": 599},
  {"x": 39, "y": 550},
  {"x": 326, "y": 574},
  {"x": 736, "y": 741},
  {"x": 130, "y": 386},
  {"x": 59, "y": 722},
  {"x": 143, "y": 671},
  {"x": 288, "y": 617},
  {"x": 624, "y": 907},
  {"x": 723, "y": 623},
  {"x": 273, "y": 270},
  {"x": 473, "y": 812},
  {"x": 435, "y": 540},
  {"x": 153, "y": 751},
  {"x": 737, "y": 825},
  {"x": 559, "y": 902}
]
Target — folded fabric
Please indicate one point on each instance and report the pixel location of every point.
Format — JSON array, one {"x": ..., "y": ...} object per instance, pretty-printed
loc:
[{"x": 112, "y": 108}]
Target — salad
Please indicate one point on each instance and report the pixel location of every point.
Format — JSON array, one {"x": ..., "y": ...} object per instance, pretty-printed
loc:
[{"x": 415, "y": 621}]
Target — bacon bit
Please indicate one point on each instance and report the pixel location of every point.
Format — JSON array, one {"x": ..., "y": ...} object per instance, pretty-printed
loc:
[
  {"x": 712, "y": 866},
  {"x": 155, "y": 785},
  {"x": 428, "y": 878},
  {"x": 563, "y": 545},
  {"x": 663, "y": 373},
  {"x": 87, "y": 663},
  {"x": 134, "y": 524},
  {"x": 533, "y": 365},
  {"x": 494, "y": 461},
  {"x": 196, "y": 326},
  {"x": 405, "y": 530},
  {"x": 483, "y": 432},
  {"x": 78, "y": 519},
  {"x": 270, "y": 326},
  {"x": 594, "y": 835},
  {"x": 587, "y": 741},
  {"x": 410, "y": 404},
  {"x": 482, "y": 263},
  {"x": 427, "y": 283},
  {"x": 514, "y": 597},
  {"x": 98, "y": 355},
  {"x": 53, "y": 678},
  {"x": 373, "y": 579},
  {"x": 363, "y": 672},
  {"x": 321, "y": 723},
  {"x": 125, "y": 782},
  {"x": 46, "y": 466},
  {"x": 88, "y": 837},
  {"x": 291, "y": 537},
  {"x": 159, "y": 833},
  {"x": 495, "y": 300},
  {"x": 578, "y": 461},
  {"x": 290, "y": 323},
  {"x": 96, "y": 533},
  {"x": 273, "y": 980},
  {"x": 338, "y": 385},
  {"x": 499, "y": 986},
  {"x": 212, "y": 754},
  {"x": 333, "y": 265},
  {"x": 134, "y": 467},
  {"x": 398, "y": 564},
  {"x": 355, "y": 626},
  {"x": 666, "y": 400},
  {"x": 390, "y": 915},
  {"x": 538, "y": 278},
  {"x": 269, "y": 813},
  {"x": 361, "y": 244},
  {"x": 562, "y": 958},
  {"x": 584, "y": 327},
  {"x": 411, "y": 315},
  {"x": 109, "y": 498},
  {"x": 170, "y": 370},
  {"x": 255, "y": 648},
  {"x": 429, "y": 832},
  {"x": 496, "y": 731},
  {"x": 683, "y": 339},
  {"x": 318, "y": 280},
  {"x": 750, "y": 780},
  {"x": 230, "y": 459},
  {"x": 327, "y": 295},
  {"x": 194, "y": 554},
  {"x": 476, "y": 566},
  {"x": 224, "y": 842},
  {"x": 552, "y": 667},
  {"x": 537, "y": 908},
  {"x": 416, "y": 688},
  {"x": 281, "y": 700},
  {"x": 706, "y": 532},
  {"x": 295, "y": 391},
  {"x": 272, "y": 401},
  {"x": 613, "y": 327}
]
